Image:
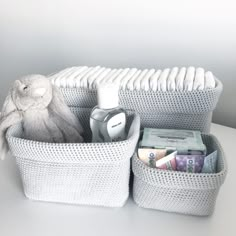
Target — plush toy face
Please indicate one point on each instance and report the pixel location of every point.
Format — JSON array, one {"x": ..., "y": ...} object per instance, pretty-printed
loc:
[{"x": 32, "y": 92}]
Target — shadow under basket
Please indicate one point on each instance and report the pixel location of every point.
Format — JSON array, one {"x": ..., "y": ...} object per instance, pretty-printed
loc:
[
  {"x": 76, "y": 173},
  {"x": 180, "y": 192}
]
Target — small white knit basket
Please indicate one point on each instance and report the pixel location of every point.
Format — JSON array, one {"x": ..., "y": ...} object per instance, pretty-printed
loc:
[
  {"x": 78, "y": 173},
  {"x": 180, "y": 192}
]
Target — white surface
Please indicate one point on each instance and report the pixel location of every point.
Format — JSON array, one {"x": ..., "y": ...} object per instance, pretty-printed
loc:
[
  {"x": 46, "y": 36},
  {"x": 20, "y": 216}
]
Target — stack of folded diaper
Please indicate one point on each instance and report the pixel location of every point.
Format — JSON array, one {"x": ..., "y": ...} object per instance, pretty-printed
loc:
[{"x": 175, "y": 79}]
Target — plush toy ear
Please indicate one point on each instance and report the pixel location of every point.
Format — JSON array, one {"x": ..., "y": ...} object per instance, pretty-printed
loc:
[
  {"x": 8, "y": 105},
  {"x": 8, "y": 117},
  {"x": 59, "y": 106}
]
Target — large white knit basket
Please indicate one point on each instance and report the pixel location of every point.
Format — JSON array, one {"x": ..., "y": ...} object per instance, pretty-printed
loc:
[
  {"x": 98, "y": 174},
  {"x": 174, "y": 191},
  {"x": 170, "y": 109},
  {"x": 80, "y": 173}
]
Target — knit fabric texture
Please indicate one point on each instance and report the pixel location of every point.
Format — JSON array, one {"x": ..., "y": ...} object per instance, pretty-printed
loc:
[
  {"x": 81, "y": 173},
  {"x": 180, "y": 192}
]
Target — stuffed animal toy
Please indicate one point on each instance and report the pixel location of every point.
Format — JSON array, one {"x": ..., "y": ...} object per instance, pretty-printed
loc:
[{"x": 41, "y": 108}]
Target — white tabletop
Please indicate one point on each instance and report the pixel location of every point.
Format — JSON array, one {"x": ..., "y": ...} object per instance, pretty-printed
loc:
[{"x": 22, "y": 217}]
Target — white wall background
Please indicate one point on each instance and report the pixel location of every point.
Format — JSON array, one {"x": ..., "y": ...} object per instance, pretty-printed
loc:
[{"x": 42, "y": 36}]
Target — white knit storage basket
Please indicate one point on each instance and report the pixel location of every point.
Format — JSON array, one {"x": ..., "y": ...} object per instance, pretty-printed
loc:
[
  {"x": 174, "y": 191},
  {"x": 80, "y": 173},
  {"x": 170, "y": 109}
]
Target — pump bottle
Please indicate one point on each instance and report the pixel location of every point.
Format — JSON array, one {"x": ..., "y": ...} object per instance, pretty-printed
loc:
[{"x": 108, "y": 119}]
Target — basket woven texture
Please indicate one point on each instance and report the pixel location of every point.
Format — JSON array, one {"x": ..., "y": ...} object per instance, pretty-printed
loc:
[
  {"x": 80, "y": 173},
  {"x": 170, "y": 109},
  {"x": 173, "y": 191},
  {"x": 98, "y": 174}
]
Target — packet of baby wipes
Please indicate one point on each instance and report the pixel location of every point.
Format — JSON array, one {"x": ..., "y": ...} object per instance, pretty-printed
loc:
[
  {"x": 210, "y": 162},
  {"x": 189, "y": 163},
  {"x": 149, "y": 156},
  {"x": 183, "y": 141},
  {"x": 168, "y": 162}
]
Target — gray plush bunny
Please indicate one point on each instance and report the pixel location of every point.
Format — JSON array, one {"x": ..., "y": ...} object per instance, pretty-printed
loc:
[{"x": 41, "y": 108}]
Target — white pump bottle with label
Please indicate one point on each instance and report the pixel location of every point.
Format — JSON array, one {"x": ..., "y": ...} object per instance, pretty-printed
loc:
[{"x": 108, "y": 119}]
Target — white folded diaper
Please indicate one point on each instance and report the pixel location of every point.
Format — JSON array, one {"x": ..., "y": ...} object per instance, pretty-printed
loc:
[
  {"x": 120, "y": 76},
  {"x": 70, "y": 79},
  {"x": 188, "y": 81},
  {"x": 60, "y": 75},
  {"x": 106, "y": 76},
  {"x": 130, "y": 84},
  {"x": 145, "y": 80},
  {"x": 84, "y": 79},
  {"x": 180, "y": 79},
  {"x": 115, "y": 73},
  {"x": 137, "y": 82},
  {"x": 63, "y": 79},
  {"x": 171, "y": 79},
  {"x": 154, "y": 79},
  {"x": 199, "y": 79},
  {"x": 209, "y": 80},
  {"x": 93, "y": 77},
  {"x": 79, "y": 77},
  {"x": 126, "y": 78},
  {"x": 174, "y": 79},
  {"x": 100, "y": 77},
  {"x": 161, "y": 82}
]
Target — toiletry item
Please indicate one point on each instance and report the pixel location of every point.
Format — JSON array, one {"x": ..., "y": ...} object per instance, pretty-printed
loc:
[
  {"x": 210, "y": 162},
  {"x": 150, "y": 155},
  {"x": 108, "y": 119},
  {"x": 168, "y": 162},
  {"x": 181, "y": 140},
  {"x": 189, "y": 163}
]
